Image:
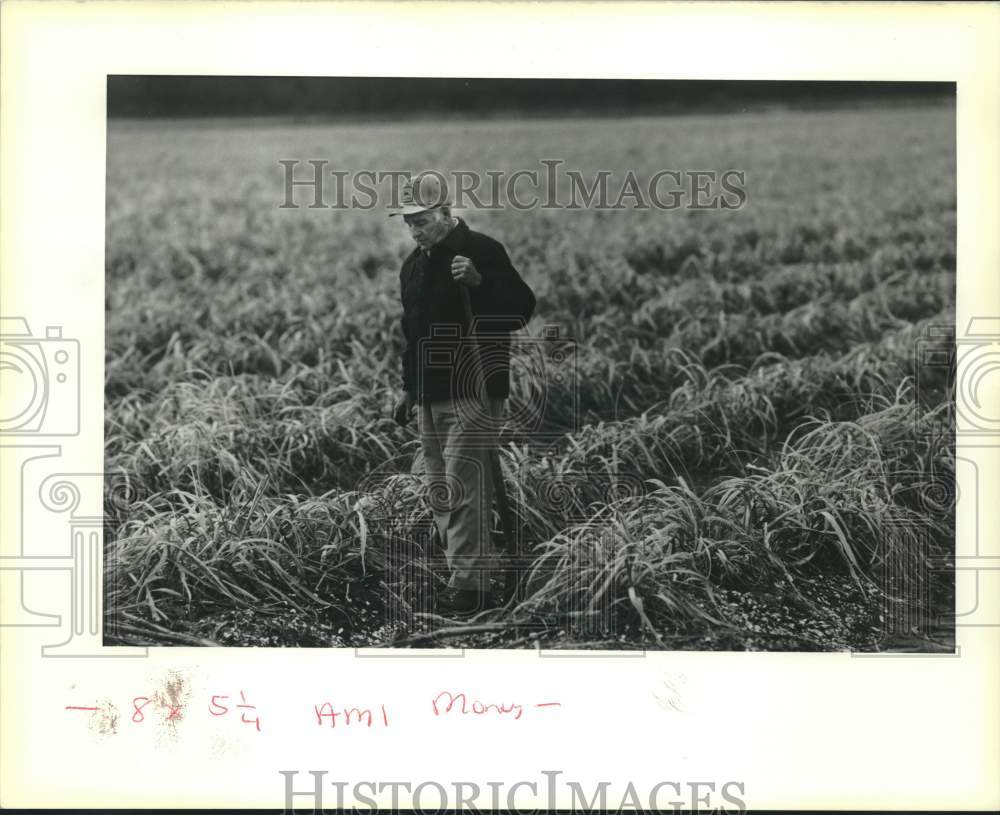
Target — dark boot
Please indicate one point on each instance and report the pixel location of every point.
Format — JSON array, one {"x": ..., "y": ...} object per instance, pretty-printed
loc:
[{"x": 461, "y": 601}]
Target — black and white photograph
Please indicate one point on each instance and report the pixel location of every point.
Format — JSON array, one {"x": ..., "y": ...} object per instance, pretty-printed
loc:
[
  {"x": 609, "y": 364},
  {"x": 459, "y": 406}
]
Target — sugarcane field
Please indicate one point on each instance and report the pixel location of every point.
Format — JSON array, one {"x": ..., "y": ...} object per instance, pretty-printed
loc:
[{"x": 718, "y": 422}]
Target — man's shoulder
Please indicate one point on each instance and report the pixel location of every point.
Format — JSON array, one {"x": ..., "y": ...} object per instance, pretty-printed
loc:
[{"x": 481, "y": 240}]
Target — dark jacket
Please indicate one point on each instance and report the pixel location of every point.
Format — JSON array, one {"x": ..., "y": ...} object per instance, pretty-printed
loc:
[{"x": 441, "y": 367}]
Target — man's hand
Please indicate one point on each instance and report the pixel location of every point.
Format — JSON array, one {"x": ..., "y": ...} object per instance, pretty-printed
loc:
[
  {"x": 464, "y": 271},
  {"x": 404, "y": 409}
]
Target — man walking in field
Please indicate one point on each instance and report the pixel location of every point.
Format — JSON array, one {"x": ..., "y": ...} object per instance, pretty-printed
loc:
[{"x": 441, "y": 377}]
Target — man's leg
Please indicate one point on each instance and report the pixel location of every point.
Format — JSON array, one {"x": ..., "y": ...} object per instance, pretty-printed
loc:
[
  {"x": 471, "y": 436},
  {"x": 432, "y": 441}
]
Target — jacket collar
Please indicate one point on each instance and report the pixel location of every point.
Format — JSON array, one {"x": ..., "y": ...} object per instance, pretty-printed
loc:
[{"x": 455, "y": 239}]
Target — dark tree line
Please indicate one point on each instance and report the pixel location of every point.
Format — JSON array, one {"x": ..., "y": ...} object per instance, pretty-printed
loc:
[{"x": 131, "y": 96}]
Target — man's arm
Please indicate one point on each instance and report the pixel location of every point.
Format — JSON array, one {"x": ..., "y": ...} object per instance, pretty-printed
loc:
[{"x": 502, "y": 295}]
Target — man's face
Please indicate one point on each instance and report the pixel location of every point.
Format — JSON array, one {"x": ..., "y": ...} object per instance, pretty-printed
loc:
[{"x": 428, "y": 228}]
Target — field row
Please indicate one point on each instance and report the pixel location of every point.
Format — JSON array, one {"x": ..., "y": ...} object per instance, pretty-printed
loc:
[
  {"x": 845, "y": 498},
  {"x": 859, "y": 499},
  {"x": 610, "y": 375},
  {"x": 224, "y": 437},
  {"x": 234, "y": 332}
]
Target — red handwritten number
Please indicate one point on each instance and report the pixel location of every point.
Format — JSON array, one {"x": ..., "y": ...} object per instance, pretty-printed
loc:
[
  {"x": 138, "y": 709},
  {"x": 223, "y": 709},
  {"x": 245, "y": 720},
  {"x": 243, "y": 716}
]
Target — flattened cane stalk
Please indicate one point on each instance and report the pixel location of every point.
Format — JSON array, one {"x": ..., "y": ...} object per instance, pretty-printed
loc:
[{"x": 511, "y": 582}]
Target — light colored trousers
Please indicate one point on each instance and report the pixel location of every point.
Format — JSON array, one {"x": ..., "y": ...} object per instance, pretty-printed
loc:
[{"x": 456, "y": 437}]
